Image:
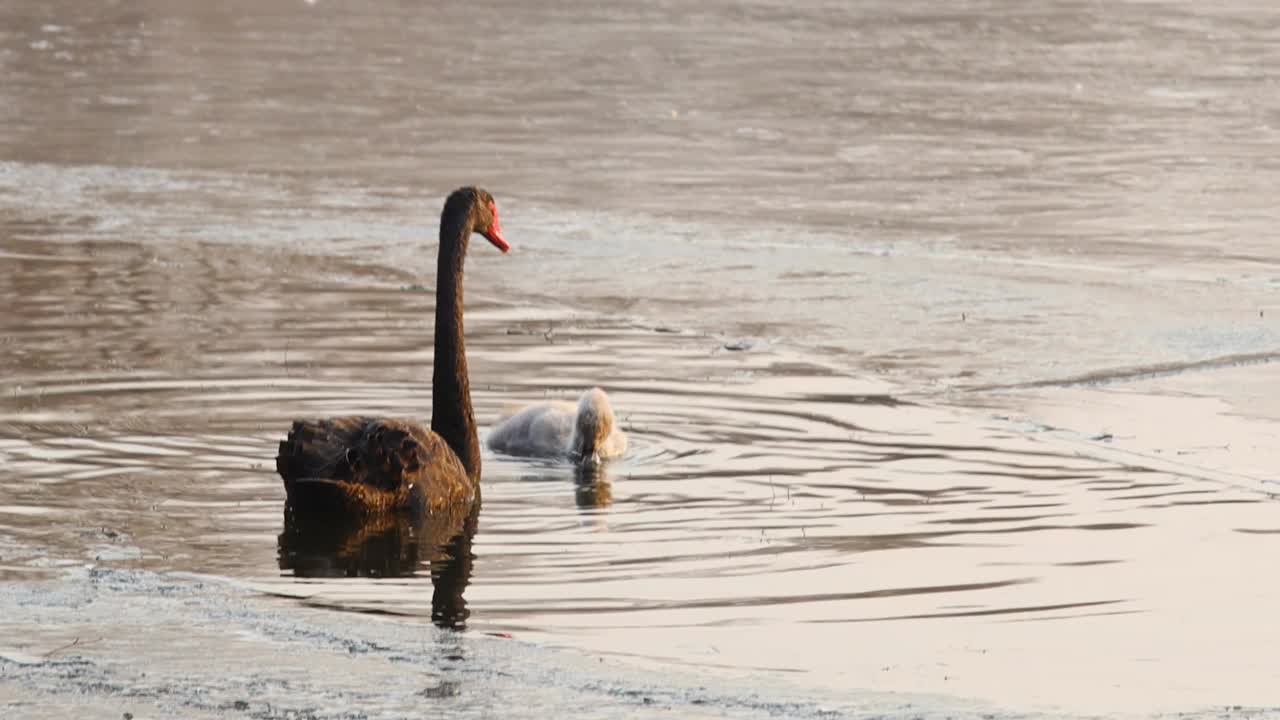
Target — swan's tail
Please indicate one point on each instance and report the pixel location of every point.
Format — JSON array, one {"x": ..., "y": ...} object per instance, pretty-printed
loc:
[{"x": 318, "y": 449}]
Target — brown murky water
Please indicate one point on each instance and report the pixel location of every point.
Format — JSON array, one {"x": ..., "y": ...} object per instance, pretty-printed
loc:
[{"x": 1002, "y": 427}]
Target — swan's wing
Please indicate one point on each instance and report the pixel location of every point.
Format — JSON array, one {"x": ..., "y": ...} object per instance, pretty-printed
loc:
[
  {"x": 552, "y": 430},
  {"x": 391, "y": 452}
]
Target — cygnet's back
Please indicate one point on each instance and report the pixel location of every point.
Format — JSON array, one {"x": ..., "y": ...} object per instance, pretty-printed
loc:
[
  {"x": 541, "y": 430},
  {"x": 586, "y": 431}
]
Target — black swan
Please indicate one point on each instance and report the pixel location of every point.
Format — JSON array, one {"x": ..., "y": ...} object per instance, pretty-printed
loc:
[
  {"x": 362, "y": 465},
  {"x": 586, "y": 432}
]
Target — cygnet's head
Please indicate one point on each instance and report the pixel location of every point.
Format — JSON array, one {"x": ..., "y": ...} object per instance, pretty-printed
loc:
[{"x": 592, "y": 427}]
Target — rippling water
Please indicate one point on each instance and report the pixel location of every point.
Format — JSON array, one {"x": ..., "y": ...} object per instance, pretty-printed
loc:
[
  {"x": 832, "y": 265},
  {"x": 773, "y": 513}
]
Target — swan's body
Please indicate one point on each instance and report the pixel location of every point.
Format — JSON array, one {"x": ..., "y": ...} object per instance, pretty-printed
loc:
[
  {"x": 585, "y": 432},
  {"x": 360, "y": 465},
  {"x": 364, "y": 465}
]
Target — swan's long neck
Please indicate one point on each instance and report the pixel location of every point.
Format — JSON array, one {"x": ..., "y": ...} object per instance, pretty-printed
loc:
[{"x": 451, "y": 414}]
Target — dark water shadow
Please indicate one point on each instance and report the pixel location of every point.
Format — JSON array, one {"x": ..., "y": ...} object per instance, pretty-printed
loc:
[{"x": 322, "y": 545}]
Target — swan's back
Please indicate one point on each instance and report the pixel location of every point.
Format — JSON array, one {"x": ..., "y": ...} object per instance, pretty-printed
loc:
[{"x": 360, "y": 465}]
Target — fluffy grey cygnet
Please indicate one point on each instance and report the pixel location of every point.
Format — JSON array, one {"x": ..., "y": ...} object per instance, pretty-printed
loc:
[{"x": 586, "y": 432}]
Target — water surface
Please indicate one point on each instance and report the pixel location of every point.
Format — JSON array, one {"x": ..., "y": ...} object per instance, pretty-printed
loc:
[{"x": 998, "y": 284}]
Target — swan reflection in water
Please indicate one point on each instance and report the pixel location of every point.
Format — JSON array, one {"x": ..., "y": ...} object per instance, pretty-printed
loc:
[
  {"x": 387, "y": 545},
  {"x": 392, "y": 545},
  {"x": 592, "y": 487}
]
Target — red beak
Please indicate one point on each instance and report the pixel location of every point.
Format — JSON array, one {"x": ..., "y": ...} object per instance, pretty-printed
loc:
[{"x": 494, "y": 235}]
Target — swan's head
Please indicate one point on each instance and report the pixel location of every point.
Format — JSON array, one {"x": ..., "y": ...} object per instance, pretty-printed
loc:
[
  {"x": 481, "y": 210},
  {"x": 592, "y": 426}
]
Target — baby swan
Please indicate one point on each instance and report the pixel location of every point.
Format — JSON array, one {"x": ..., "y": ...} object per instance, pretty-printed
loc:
[{"x": 585, "y": 433}]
